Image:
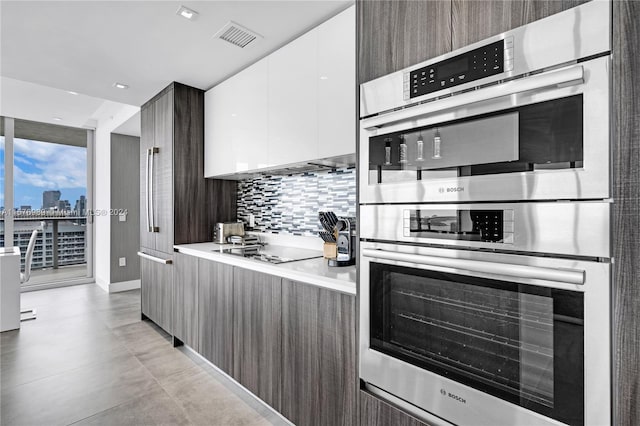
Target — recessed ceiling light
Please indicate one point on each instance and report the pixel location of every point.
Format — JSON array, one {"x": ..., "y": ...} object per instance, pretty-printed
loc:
[
  {"x": 324, "y": 77},
  {"x": 187, "y": 13},
  {"x": 71, "y": 92},
  {"x": 57, "y": 118},
  {"x": 120, "y": 85}
]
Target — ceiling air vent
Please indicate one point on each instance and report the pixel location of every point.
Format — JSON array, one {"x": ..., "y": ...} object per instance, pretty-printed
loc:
[{"x": 237, "y": 34}]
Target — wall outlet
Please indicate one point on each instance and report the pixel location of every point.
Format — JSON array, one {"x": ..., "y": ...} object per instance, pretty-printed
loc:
[
  {"x": 252, "y": 220},
  {"x": 122, "y": 217},
  {"x": 122, "y": 261}
]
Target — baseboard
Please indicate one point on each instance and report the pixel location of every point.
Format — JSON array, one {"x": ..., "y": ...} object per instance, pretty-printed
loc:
[
  {"x": 124, "y": 286},
  {"x": 118, "y": 287},
  {"x": 38, "y": 287},
  {"x": 102, "y": 284}
]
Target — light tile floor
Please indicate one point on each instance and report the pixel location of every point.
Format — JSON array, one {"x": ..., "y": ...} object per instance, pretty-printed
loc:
[{"x": 89, "y": 360}]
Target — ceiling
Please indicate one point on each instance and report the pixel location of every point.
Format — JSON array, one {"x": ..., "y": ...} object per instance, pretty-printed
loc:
[
  {"x": 86, "y": 46},
  {"x": 35, "y": 102},
  {"x": 131, "y": 127}
]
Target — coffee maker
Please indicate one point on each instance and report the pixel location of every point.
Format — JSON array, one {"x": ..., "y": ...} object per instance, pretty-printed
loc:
[{"x": 345, "y": 233}]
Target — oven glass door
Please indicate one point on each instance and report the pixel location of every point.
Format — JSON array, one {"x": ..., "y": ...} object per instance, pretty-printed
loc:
[
  {"x": 521, "y": 343},
  {"x": 542, "y": 136}
]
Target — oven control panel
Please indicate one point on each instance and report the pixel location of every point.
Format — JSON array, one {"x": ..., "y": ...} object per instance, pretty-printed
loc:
[
  {"x": 482, "y": 62},
  {"x": 487, "y": 226}
]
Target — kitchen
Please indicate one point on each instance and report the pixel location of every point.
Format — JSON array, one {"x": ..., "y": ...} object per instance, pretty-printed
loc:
[{"x": 517, "y": 184}]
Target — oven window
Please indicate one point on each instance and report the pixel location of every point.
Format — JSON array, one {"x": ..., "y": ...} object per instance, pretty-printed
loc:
[
  {"x": 521, "y": 343},
  {"x": 546, "y": 135}
]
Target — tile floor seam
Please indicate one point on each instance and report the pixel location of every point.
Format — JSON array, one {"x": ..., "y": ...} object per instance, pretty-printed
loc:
[
  {"x": 129, "y": 402},
  {"x": 176, "y": 401},
  {"x": 57, "y": 374}
]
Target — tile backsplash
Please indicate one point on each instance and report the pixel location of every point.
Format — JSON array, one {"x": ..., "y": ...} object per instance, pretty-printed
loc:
[{"x": 290, "y": 204}]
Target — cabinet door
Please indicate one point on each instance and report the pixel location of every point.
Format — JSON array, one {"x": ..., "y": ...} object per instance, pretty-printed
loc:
[
  {"x": 293, "y": 99},
  {"x": 185, "y": 300},
  {"x": 218, "y": 130},
  {"x": 147, "y": 120},
  {"x": 257, "y": 336},
  {"x": 249, "y": 118},
  {"x": 337, "y": 85},
  {"x": 626, "y": 213},
  {"x": 163, "y": 172},
  {"x": 376, "y": 412},
  {"x": 236, "y": 123},
  {"x": 476, "y": 20},
  {"x": 399, "y": 33},
  {"x": 156, "y": 294},
  {"x": 215, "y": 313},
  {"x": 320, "y": 382}
]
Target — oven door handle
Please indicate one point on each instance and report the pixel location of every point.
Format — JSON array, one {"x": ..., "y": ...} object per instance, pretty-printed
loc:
[
  {"x": 563, "y": 77},
  {"x": 568, "y": 276}
]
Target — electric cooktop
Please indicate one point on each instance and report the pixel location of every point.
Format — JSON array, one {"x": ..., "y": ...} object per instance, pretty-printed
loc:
[{"x": 272, "y": 254}]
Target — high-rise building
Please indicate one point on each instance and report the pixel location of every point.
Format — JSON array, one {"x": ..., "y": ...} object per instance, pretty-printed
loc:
[
  {"x": 81, "y": 206},
  {"x": 63, "y": 205},
  {"x": 71, "y": 242},
  {"x": 50, "y": 199},
  {"x": 25, "y": 208}
]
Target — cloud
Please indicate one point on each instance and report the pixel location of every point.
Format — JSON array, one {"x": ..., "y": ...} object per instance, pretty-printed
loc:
[
  {"x": 51, "y": 166},
  {"x": 21, "y": 159},
  {"x": 25, "y": 200}
]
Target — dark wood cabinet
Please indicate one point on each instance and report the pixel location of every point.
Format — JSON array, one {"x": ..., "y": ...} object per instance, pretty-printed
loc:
[
  {"x": 319, "y": 371},
  {"x": 472, "y": 21},
  {"x": 376, "y": 412},
  {"x": 215, "y": 313},
  {"x": 163, "y": 172},
  {"x": 257, "y": 337},
  {"x": 178, "y": 205},
  {"x": 156, "y": 292},
  {"x": 185, "y": 205},
  {"x": 185, "y": 299},
  {"x": 291, "y": 344},
  {"x": 393, "y": 35},
  {"x": 147, "y": 137},
  {"x": 626, "y": 213}
]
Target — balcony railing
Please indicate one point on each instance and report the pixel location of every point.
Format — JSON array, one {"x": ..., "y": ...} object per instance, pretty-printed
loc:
[{"x": 60, "y": 251}]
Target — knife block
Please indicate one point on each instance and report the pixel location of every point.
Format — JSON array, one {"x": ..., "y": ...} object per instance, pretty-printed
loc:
[{"x": 330, "y": 250}]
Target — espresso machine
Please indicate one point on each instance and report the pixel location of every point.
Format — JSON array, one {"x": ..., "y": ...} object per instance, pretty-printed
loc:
[{"x": 339, "y": 237}]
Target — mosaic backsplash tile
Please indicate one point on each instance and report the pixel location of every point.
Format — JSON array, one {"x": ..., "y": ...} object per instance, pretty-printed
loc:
[{"x": 290, "y": 204}]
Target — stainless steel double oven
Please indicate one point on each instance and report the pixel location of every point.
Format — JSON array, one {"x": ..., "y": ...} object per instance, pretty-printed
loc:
[{"x": 484, "y": 183}]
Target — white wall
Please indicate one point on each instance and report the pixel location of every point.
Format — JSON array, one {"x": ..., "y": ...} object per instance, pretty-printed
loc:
[{"x": 108, "y": 117}]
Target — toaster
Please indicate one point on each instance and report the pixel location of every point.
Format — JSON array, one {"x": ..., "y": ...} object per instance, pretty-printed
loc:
[{"x": 224, "y": 230}]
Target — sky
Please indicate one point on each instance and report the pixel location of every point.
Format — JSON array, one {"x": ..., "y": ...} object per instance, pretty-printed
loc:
[{"x": 43, "y": 166}]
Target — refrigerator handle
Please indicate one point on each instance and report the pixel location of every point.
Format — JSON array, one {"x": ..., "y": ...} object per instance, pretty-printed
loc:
[
  {"x": 152, "y": 227},
  {"x": 147, "y": 190}
]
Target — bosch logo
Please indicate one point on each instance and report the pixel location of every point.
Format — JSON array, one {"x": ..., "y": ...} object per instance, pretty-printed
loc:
[
  {"x": 453, "y": 396},
  {"x": 450, "y": 189}
]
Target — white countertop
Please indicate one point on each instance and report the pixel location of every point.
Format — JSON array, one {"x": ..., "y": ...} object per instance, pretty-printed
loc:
[{"x": 311, "y": 271}]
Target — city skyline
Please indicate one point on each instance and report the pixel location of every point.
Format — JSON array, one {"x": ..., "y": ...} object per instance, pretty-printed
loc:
[
  {"x": 72, "y": 203},
  {"x": 44, "y": 166}
]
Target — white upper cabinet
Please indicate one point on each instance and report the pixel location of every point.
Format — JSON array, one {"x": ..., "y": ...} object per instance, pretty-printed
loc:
[
  {"x": 293, "y": 101},
  {"x": 297, "y": 104},
  {"x": 337, "y": 85},
  {"x": 236, "y": 123}
]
